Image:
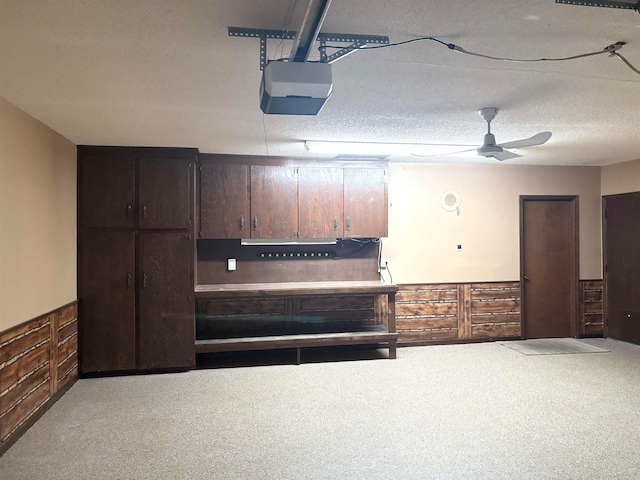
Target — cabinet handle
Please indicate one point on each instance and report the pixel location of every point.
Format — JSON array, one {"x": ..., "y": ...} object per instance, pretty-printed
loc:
[
  {"x": 144, "y": 210},
  {"x": 335, "y": 223},
  {"x": 241, "y": 222},
  {"x": 129, "y": 279},
  {"x": 348, "y": 223},
  {"x": 129, "y": 210},
  {"x": 255, "y": 223},
  {"x": 144, "y": 280}
]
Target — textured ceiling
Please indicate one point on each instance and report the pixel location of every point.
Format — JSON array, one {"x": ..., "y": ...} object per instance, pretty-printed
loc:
[{"x": 165, "y": 73}]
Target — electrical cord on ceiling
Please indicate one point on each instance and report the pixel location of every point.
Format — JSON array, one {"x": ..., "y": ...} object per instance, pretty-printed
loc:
[
  {"x": 610, "y": 50},
  {"x": 626, "y": 62}
]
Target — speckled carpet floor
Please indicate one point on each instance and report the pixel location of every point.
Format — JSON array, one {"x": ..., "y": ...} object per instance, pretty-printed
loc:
[{"x": 478, "y": 411}]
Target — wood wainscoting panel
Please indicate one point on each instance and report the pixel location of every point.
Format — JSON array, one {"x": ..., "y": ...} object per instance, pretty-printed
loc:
[
  {"x": 591, "y": 308},
  {"x": 38, "y": 362},
  {"x": 458, "y": 312},
  {"x": 427, "y": 312},
  {"x": 495, "y": 310},
  {"x": 436, "y": 313}
]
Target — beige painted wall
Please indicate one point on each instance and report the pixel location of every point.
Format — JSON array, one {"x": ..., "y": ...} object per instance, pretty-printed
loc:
[
  {"x": 37, "y": 218},
  {"x": 421, "y": 247},
  {"x": 621, "y": 178}
]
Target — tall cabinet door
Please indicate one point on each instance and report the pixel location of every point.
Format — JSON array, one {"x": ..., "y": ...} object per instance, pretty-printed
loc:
[
  {"x": 107, "y": 301},
  {"x": 106, "y": 189},
  {"x": 320, "y": 202},
  {"x": 164, "y": 191},
  {"x": 365, "y": 202},
  {"x": 274, "y": 202},
  {"x": 224, "y": 201},
  {"x": 166, "y": 317}
]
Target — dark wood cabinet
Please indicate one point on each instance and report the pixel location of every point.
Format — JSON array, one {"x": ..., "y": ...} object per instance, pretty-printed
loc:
[
  {"x": 274, "y": 202},
  {"x": 224, "y": 201},
  {"x": 251, "y": 197},
  {"x": 165, "y": 322},
  {"x": 136, "y": 276},
  {"x": 107, "y": 186},
  {"x": 365, "y": 202},
  {"x": 107, "y": 267},
  {"x": 320, "y": 202},
  {"x": 164, "y": 191}
]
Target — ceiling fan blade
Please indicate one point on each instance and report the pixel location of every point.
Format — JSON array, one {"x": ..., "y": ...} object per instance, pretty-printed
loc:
[
  {"x": 443, "y": 154},
  {"x": 505, "y": 155},
  {"x": 538, "y": 139}
]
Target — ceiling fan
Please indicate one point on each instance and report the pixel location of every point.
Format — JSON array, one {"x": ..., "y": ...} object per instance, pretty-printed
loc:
[
  {"x": 631, "y": 5},
  {"x": 490, "y": 149}
]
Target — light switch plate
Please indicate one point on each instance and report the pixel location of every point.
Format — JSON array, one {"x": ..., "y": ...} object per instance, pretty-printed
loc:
[{"x": 231, "y": 264}]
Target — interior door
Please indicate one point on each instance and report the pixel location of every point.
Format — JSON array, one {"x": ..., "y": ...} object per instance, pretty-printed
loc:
[
  {"x": 622, "y": 266},
  {"x": 320, "y": 202},
  {"x": 164, "y": 191},
  {"x": 166, "y": 317},
  {"x": 107, "y": 301},
  {"x": 549, "y": 266}
]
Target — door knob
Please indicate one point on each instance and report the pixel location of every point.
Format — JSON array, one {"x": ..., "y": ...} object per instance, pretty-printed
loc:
[{"x": 525, "y": 277}]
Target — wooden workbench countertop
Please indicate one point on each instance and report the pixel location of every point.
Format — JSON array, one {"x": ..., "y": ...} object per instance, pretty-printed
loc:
[{"x": 287, "y": 289}]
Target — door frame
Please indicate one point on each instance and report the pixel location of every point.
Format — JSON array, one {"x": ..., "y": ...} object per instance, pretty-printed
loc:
[{"x": 575, "y": 257}]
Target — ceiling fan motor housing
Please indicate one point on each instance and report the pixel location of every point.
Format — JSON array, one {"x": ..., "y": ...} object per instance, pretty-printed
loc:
[{"x": 489, "y": 147}]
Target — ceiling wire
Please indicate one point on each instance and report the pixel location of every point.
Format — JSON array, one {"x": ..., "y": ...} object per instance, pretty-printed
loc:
[
  {"x": 264, "y": 129},
  {"x": 285, "y": 29},
  {"x": 626, "y": 62},
  {"x": 610, "y": 50}
]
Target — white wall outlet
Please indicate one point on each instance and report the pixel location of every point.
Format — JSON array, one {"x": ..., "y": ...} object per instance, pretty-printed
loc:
[
  {"x": 231, "y": 264},
  {"x": 383, "y": 263}
]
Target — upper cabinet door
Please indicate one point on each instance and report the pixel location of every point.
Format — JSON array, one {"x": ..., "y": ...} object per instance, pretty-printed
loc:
[
  {"x": 224, "y": 201},
  {"x": 274, "y": 202},
  {"x": 320, "y": 202},
  {"x": 365, "y": 202},
  {"x": 106, "y": 192},
  {"x": 165, "y": 193}
]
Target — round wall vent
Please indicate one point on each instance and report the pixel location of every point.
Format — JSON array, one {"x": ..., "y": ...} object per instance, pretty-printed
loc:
[{"x": 450, "y": 200}]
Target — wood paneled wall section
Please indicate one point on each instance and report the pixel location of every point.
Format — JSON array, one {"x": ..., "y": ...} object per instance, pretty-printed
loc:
[
  {"x": 458, "y": 311},
  {"x": 474, "y": 311},
  {"x": 591, "y": 308},
  {"x": 38, "y": 363}
]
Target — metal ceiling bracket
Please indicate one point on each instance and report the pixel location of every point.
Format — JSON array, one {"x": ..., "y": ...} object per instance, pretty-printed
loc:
[
  {"x": 355, "y": 41},
  {"x": 603, "y": 3}
]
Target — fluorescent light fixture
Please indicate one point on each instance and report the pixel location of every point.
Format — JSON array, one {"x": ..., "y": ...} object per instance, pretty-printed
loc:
[
  {"x": 369, "y": 149},
  {"x": 273, "y": 242}
]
